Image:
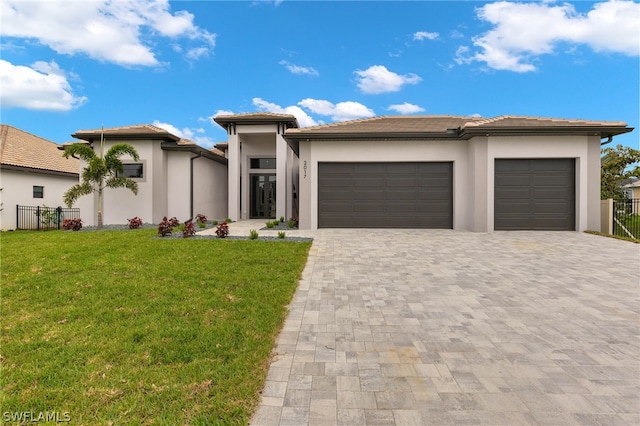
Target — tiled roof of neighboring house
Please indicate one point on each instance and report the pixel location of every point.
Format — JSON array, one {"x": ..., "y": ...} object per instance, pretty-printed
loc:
[
  {"x": 256, "y": 117},
  {"x": 20, "y": 149},
  {"x": 126, "y": 132},
  {"x": 631, "y": 183}
]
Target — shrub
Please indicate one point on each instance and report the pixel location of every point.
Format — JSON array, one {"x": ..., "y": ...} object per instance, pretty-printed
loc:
[
  {"x": 270, "y": 224},
  {"x": 72, "y": 224},
  {"x": 281, "y": 235},
  {"x": 174, "y": 222},
  {"x": 228, "y": 220},
  {"x": 135, "y": 223},
  {"x": 281, "y": 219},
  {"x": 293, "y": 223},
  {"x": 188, "y": 229},
  {"x": 165, "y": 227},
  {"x": 222, "y": 231},
  {"x": 201, "y": 219},
  {"x": 253, "y": 234},
  {"x": 214, "y": 223}
]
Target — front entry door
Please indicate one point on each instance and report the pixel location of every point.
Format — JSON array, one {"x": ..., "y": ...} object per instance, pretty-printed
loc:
[{"x": 263, "y": 196}]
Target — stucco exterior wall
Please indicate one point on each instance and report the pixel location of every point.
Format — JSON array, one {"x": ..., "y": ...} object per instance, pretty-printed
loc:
[
  {"x": 210, "y": 189},
  {"x": 121, "y": 204},
  {"x": 16, "y": 188},
  {"x": 383, "y": 151},
  {"x": 177, "y": 179}
]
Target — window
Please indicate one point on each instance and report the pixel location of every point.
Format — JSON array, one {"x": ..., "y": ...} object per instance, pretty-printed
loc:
[
  {"x": 132, "y": 170},
  {"x": 38, "y": 191},
  {"x": 263, "y": 163}
]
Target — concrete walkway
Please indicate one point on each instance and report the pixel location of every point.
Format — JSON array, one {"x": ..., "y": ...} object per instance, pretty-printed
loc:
[{"x": 413, "y": 327}]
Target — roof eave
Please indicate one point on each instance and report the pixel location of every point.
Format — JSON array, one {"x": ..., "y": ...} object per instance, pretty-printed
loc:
[
  {"x": 601, "y": 131},
  {"x": 196, "y": 149},
  {"x": 16, "y": 168},
  {"x": 224, "y": 121},
  {"x": 92, "y": 136}
]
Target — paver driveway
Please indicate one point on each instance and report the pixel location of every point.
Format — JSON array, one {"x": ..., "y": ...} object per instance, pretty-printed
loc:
[{"x": 443, "y": 327}]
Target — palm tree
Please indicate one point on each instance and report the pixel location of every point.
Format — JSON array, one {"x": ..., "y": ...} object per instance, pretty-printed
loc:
[{"x": 101, "y": 172}]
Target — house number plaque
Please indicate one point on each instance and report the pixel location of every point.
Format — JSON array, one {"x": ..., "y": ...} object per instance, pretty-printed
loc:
[{"x": 304, "y": 167}]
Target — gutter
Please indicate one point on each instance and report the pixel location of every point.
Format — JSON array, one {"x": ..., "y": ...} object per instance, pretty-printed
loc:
[{"x": 191, "y": 183}]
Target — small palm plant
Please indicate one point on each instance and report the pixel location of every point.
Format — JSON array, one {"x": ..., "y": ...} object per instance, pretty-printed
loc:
[{"x": 102, "y": 171}]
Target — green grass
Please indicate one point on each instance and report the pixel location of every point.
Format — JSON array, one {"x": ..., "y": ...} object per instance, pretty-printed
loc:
[{"x": 120, "y": 327}]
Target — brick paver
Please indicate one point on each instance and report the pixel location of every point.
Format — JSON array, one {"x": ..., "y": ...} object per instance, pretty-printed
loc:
[{"x": 413, "y": 327}]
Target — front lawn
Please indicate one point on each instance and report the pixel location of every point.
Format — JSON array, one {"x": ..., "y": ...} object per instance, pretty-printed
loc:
[{"x": 120, "y": 327}]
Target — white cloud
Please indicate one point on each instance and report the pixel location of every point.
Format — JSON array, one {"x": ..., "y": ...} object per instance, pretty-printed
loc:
[
  {"x": 303, "y": 118},
  {"x": 43, "y": 86},
  {"x": 105, "y": 30},
  {"x": 193, "y": 134},
  {"x": 421, "y": 35},
  {"x": 406, "y": 108},
  {"x": 524, "y": 31},
  {"x": 378, "y": 79},
  {"x": 296, "y": 69},
  {"x": 342, "y": 111}
]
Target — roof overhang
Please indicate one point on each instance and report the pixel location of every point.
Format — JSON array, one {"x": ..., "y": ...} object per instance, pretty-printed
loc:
[
  {"x": 39, "y": 171},
  {"x": 195, "y": 149},
  {"x": 93, "y": 136},
  {"x": 225, "y": 121}
]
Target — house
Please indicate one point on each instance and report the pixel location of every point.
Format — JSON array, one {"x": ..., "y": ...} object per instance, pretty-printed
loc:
[
  {"x": 451, "y": 172},
  {"x": 632, "y": 188},
  {"x": 175, "y": 177},
  {"x": 33, "y": 172}
]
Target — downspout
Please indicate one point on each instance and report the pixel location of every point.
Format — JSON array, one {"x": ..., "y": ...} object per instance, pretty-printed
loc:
[
  {"x": 609, "y": 140},
  {"x": 191, "y": 184}
]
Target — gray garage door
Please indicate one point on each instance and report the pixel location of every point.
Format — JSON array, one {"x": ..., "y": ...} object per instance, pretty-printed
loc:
[
  {"x": 535, "y": 194},
  {"x": 385, "y": 195}
]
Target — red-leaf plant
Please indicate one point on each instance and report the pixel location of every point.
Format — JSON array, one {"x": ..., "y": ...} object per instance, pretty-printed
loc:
[
  {"x": 135, "y": 223},
  {"x": 222, "y": 230},
  {"x": 72, "y": 224},
  {"x": 189, "y": 230}
]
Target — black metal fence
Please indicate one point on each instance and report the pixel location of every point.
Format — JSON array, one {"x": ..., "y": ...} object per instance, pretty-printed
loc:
[
  {"x": 43, "y": 217},
  {"x": 626, "y": 218}
]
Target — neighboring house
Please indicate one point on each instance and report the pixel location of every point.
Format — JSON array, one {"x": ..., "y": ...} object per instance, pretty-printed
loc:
[
  {"x": 632, "y": 188},
  {"x": 463, "y": 173},
  {"x": 175, "y": 177},
  {"x": 33, "y": 172}
]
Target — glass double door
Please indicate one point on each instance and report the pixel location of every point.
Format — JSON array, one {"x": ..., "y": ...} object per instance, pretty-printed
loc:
[{"x": 263, "y": 196}]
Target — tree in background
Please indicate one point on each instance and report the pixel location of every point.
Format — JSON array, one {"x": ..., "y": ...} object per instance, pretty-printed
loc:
[
  {"x": 618, "y": 164},
  {"x": 102, "y": 171}
]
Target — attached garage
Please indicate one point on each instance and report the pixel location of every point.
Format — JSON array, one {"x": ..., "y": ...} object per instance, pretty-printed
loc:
[
  {"x": 385, "y": 195},
  {"x": 535, "y": 194}
]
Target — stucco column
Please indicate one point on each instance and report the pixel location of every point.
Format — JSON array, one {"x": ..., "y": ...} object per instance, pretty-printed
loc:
[
  {"x": 234, "y": 177},
  {"x": 307, "y": 205},
  {"x": 281, "y": 177}
]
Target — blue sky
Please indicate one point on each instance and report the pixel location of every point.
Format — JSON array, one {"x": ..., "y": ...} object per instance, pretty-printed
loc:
[{"x": 71, "y": 65}]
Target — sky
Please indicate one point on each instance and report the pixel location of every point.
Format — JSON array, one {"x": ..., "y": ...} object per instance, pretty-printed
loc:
[{"x": 78, "y": 65}]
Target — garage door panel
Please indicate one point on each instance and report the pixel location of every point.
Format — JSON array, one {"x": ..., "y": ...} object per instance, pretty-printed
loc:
[
  {"x": 400, "y": 168},
  {"x": 400, "y": 181},
  {"x": 371, "y": 168},
  {"x": 512, "y": 180},
  {"x": 513, "y": 193},
  {"x": 398, "y": 195},
  {"x": 534, "y": 194},
  {"x": 367, "y": 195},
  {"x": 515, "y": 207},
  {"x": 407, "y": 195}
]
